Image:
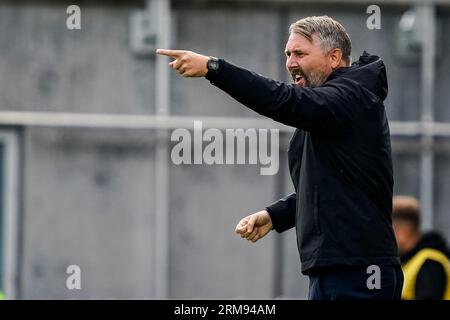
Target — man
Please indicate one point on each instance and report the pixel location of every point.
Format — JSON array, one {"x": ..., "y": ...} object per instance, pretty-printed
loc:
[
  {"x": 424, "y": 257},
  {"x": 339, "y": 157}
]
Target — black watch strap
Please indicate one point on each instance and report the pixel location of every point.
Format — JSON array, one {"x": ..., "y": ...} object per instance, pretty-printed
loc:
[{"x": 214, "y": 66}]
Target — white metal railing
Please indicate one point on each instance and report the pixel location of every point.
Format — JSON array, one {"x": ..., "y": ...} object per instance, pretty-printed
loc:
[{"x": 126, "y": 121}]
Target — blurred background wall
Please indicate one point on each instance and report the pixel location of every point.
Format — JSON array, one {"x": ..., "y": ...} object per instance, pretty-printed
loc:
[{"x": 105, "y": 195}]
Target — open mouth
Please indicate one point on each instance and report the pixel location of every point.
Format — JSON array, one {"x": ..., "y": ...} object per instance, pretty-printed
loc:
[{"x": 297, "y": 77}]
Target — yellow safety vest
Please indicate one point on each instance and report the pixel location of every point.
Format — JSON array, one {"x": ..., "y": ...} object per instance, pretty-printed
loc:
[{"x": 412, "y": 267}]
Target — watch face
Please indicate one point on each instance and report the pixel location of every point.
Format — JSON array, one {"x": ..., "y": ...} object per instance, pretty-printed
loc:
[{"x": 213, "y": 64}]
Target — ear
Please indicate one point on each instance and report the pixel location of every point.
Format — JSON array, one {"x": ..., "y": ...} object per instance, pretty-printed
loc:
[{"x": 335, "y": 57}]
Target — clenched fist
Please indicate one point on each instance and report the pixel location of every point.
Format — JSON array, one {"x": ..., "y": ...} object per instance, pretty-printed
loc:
[
  {"x": 255, "y": 226},
  {"x": 187, "y": 63}
]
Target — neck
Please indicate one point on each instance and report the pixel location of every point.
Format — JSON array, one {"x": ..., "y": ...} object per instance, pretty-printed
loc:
[{"x": 341, "y": 65}]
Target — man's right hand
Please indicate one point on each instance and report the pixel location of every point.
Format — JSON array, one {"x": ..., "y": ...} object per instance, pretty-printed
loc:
[{"x": 255, "y": 226}]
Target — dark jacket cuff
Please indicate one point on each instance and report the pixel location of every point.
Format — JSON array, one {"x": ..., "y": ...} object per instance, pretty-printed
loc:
[
  {"x": 212, "y": 75},
  {"x": 282, "y": 214}
]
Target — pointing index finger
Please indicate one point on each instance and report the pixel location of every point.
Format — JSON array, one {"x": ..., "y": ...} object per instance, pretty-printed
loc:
[{"x": 170, "y": 53}]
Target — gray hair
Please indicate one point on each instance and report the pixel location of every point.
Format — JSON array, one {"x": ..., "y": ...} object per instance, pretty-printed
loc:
[{"x": 330, "y": 33}]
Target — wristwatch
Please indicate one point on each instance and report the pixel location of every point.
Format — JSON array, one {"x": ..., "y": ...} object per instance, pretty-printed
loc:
[{"x": 213, "y": 64}]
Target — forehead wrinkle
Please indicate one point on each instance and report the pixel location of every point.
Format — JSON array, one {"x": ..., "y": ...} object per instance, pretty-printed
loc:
[{"x": 295, "y": 46}]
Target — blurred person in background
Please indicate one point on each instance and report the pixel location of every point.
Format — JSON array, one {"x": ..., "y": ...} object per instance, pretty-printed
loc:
[
  {"x": 424, "y": 256},
  {"x": 339, "y": 157}
]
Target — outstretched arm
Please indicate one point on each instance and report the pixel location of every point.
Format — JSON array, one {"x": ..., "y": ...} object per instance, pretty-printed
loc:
[{"x": 324, "y": 109}]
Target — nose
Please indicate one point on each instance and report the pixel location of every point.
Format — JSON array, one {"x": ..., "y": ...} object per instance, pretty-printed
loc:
[{"x": 291, "y": 62}]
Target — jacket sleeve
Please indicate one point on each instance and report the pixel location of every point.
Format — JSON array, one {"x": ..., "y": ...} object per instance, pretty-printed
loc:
[
  {"x": 322, "y": 109},
  {"x": 282, "y": 213}
]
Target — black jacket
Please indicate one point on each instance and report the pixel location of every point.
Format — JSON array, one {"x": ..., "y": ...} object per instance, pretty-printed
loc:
[
  {"x": 339, "y": 161},
  {"x": 431, "y": 280}
]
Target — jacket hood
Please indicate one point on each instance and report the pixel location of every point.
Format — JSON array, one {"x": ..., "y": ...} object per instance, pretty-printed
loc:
[
  {"x": 436, "y": 241},
  {"x": 369, "y": 71},
  {"x": 432, "y": 240}
]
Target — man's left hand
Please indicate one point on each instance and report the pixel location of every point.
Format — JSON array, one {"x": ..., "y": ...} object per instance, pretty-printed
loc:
[{"x": 189, "y": 64}]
